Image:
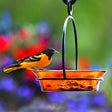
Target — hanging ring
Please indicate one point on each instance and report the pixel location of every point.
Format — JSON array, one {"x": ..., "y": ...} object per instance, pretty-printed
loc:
[{"x": 63, "y": 44}]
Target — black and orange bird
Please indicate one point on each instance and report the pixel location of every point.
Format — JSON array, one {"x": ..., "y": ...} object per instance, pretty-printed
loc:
[{"x": 36, "y": 61}]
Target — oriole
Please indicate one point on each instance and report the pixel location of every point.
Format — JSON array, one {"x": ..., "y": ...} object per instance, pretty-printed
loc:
[{"x": 33, "y": 62}]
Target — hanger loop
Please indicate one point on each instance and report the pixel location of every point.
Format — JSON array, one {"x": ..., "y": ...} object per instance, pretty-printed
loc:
[{"x": 63, "y": 44}]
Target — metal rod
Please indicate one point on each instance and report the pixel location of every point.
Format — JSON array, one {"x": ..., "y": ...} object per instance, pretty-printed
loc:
[
  {"x": 63, "y": 44},
  {"x": 100, "y": 79},
  {"x": 69, "y": 5}
]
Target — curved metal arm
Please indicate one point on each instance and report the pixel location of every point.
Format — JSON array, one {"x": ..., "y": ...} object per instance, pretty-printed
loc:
[{"x": 63, "y": 44}]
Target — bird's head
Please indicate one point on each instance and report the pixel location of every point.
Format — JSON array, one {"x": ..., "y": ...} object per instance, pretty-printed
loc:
[{"x": 49, "y": 52}]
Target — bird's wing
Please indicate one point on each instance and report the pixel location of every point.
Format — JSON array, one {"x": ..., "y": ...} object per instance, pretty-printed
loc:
[
  {"x": 33, "y": 58},
  {"x": 29, "y": 58},
  {"x": 21, "y": 60}
]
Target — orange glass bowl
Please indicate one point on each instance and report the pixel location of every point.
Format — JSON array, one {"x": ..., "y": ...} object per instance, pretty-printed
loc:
[{"x": 53, "y": 80}]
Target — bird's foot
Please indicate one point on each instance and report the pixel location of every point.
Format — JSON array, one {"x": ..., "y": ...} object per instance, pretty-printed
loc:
[
  {"x": 38, "y": 70},
  {"x": 35, "y": 70},
  {"x": 43, "y": 69}
]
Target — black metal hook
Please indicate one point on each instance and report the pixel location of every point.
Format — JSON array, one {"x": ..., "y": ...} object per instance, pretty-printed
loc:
[
  {"x": 63, "y": 44},
  {"x": 72, "y": 1},
  {"x": 69, "y": 5}
]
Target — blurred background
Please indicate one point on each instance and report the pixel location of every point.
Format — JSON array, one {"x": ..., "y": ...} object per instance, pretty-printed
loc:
[{"x": 28, "y": 27}]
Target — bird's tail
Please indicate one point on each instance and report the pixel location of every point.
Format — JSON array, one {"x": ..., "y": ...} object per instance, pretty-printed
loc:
[{"x": 12, "y": 68}]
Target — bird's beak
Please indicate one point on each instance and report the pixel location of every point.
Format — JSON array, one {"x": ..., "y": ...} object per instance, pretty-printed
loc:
[{"x": 55, "y": 52}]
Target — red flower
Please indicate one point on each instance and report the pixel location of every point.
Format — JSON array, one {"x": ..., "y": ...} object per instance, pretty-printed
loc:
[
  {"x": 30, "y": 50},
  {"x": 84, "y": 63},
  {"x": 29, "y": 75},
  {"x": 4, "y": 43},
  {"x": 24, "y": 33}
]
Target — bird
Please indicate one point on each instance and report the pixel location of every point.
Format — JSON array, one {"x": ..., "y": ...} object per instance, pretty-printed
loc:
[{"x": 34, "y": 62}]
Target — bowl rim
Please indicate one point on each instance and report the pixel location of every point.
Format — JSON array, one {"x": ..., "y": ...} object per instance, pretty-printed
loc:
[
  {"x": 100, "y": 79},
  {"x": 72, "y": 70}
]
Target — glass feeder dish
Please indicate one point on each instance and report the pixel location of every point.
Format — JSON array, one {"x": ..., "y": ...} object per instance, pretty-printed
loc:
[
  {"x": 69, "y": 80},
  {"x": 53, "y": 80}
]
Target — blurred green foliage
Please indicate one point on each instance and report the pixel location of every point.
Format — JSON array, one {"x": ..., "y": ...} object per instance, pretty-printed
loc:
[{"x": 93, "y": 21}]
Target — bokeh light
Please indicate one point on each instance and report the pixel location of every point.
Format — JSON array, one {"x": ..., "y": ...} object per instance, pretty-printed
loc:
[
  {"x": 25, "y": 91},
  {"x": 7, "y": 84}
]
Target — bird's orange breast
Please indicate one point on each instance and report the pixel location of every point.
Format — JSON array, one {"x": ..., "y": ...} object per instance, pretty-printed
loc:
[{"x": 43, "y": 62}]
